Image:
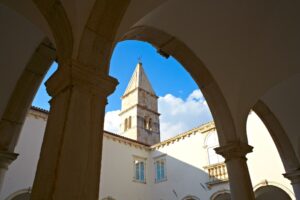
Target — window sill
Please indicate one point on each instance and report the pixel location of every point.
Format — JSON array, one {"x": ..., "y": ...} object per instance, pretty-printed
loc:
[
  {"x": 138, "y": 181},
  {"x": 162, "y": 180}
]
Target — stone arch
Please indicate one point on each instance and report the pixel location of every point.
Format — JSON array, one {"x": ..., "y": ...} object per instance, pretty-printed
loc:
[
  {"x": 98, "y": 37},
  {"x": 169, "y": 45},
  {"x": 282, "y": 187},
  {"x": 23, "y": 194},
  {"x": 272, "y": 191},
  {"x": 23, "y": 94},
  {"x": 55, "y": 15},
  {"x": 280, "y": 138}
]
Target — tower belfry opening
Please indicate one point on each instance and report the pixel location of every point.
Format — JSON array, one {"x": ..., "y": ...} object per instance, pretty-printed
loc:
[{"x": 139, "y": 114}]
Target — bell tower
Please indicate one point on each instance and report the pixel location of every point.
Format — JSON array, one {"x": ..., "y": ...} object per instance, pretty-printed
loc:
[{"x": 139, "y": 115}]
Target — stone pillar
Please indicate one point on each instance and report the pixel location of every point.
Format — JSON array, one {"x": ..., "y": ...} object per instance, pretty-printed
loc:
[
  {"x": 236, "y": 163},
  {"x": 6, "y": 158},
  {"x": 70, "y": 159},
  {"x": 294, "y": 177}
]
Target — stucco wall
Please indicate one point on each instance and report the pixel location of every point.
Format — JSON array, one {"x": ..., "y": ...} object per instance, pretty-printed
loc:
[
  {"x": 186, "y": 176},
  {"x": 185, "y": 158},
  {"x": 264, "y": 163},
  {"x": 21, "y": 172}
]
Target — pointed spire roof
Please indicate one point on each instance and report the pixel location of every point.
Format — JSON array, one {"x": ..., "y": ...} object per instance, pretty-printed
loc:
[{"x": 139, "y": 80}]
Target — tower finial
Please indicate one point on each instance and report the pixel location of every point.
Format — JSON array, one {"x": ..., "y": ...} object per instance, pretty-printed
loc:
[{"x": 140, "y": 59}]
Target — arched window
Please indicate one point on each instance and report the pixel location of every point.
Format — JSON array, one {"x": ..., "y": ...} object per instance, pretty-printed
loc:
[
  {"x": 129, "y": 122},
  {"x": 145, "y": 123},
  {"x": 125, "y": 124},
  {"x": 211, "y": 143},
  {"x": 150, "y": 124}
]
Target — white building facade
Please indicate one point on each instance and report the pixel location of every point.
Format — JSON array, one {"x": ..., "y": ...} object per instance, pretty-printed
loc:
[{"x": 184, "y": 167}]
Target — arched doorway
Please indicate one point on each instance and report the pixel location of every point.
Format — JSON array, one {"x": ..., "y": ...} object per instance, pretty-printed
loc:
[{"x": 271, "y": 192}]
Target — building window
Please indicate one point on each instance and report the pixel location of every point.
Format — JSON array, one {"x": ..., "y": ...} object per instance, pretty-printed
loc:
[
  {"x": 160, "y": 170},
  {"x": 139, "y": 170},
  {"x": 212, "y": 142},
  {"x": 150, "y": 124},
  {"x": 129, "y": 122},
  {"x": 145, "y": 123},
  {"x": 125, "y": 125}
]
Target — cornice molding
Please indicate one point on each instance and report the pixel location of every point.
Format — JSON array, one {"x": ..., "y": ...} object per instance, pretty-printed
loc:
[
  {"x": 74, "y": 73},
  {"x": 200, "y": 129},
  {"x": 126, "y": 141},
  {"x": 234, "y": 150}
]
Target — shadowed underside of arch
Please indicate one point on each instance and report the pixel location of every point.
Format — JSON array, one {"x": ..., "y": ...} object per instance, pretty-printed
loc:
[
  {"x": 280, "y": 138},
  {"x": 57, "y": 19},
  {"x": 23, "y": 94}
]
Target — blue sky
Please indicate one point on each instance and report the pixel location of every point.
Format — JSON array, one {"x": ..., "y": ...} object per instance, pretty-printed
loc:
[{"x": 171, "y": 82}]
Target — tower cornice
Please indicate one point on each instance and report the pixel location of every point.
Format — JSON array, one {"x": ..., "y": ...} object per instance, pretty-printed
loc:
[
  {"x": 139, "y": 89},
  {"x": 140, "y": 106}
]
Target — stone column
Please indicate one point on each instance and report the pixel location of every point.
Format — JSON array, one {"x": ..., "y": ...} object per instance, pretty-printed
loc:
[
  {"x": 294, "y": 177},
  {"x": 236, "y": 163},
  {"x": 6, "y": 158},
  {"x": 70, "y": 159}
]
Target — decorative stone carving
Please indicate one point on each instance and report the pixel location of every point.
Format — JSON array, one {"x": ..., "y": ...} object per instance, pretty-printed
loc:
[
  {"x": 234, "y": 150},
  {"x": 293, "y": 176}
]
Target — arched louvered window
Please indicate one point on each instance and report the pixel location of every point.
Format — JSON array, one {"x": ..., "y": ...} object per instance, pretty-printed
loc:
[
  {"x": 129, "y": 122},
  {"x": 150, "y": 124},
  {"x": 125, "y": 124}
]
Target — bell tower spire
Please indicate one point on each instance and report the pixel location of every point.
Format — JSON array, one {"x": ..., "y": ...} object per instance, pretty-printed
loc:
[{"x": 139, "y": 115}]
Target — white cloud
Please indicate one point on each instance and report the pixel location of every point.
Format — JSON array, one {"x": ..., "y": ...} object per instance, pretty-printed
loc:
[
  {"x": 177, "y": 115},
  {"x": 112, "y": 121}
]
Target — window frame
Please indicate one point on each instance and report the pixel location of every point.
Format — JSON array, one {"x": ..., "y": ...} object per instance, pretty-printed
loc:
[
  {"x": 211, "y": 147},
  {"x": 139, "y": 160},
  {"x": 160, "y": 159}
]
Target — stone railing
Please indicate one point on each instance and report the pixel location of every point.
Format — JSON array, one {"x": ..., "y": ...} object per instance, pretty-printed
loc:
[{"x": 217, "y": 173}]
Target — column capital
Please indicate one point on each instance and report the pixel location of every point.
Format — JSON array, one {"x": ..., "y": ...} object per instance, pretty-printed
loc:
[
  {"x": 234, "y": 150},
  {"x": 293, "y": 176},
  {"x": 6, "y": 158},
  {"x": 75, "y": 74}
]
